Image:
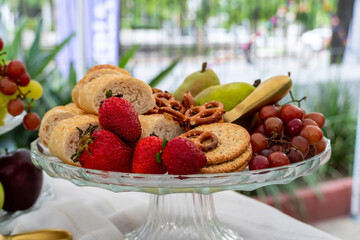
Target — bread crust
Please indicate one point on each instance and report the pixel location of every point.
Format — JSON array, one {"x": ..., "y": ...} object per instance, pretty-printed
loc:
[
  {"x": 159, "y": 125},
  {"x": 53, "y": 117},
  {"x": 64, "y": 138},
  {"x": 93, "y": 73},
  {"x": 137, "y": 92}
]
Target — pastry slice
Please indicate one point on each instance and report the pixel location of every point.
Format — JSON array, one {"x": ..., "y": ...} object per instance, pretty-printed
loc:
[
  {"x": 134, "y": 90},
  {"x": 93, "y": 73},
  {"x": 53, "y": 117},
  {"x": 64, "y": 138},
  {"x": 160, "y": 125}
]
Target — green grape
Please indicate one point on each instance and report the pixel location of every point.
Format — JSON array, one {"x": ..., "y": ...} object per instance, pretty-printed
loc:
[
  {"x": 3, "y": 100},
  {"x": 3, "y": 113},
  {"x": 35, "y": 90}
]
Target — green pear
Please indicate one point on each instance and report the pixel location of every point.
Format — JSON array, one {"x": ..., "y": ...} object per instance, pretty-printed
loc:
[
  {"x": 196, "y": 82},
  {"x": 230, "y": 94}
]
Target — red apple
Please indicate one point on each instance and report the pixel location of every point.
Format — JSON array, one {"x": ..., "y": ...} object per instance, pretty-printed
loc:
[{"x": 22, "y": 181}]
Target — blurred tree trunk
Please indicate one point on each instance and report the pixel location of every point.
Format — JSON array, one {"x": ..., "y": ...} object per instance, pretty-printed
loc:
[{"x": 344, "y": 13}]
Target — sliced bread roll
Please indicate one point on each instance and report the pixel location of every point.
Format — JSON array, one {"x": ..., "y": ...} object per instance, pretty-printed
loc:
[
  {"x": 53, "y": 117},
  {"x": 94, "y": 73},
  {"x": 159, "y": 125},
  {"x": 134, "y": 90},
  {"x": 64, "y": 139}
]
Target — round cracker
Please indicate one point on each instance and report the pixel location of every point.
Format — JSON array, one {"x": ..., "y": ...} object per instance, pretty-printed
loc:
[
  {"x": 239, "y": 162},
  {"x": 233, "y": 140}
]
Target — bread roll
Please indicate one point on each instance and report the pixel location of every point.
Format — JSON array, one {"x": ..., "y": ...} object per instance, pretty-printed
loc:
[
  {"x": 134, "y": 90},
  {"x": 64, "y": 139},
  {"x": 159, "y": 125},
  {"x": 94, "y": 73},
  {"x": 53, "y": 117}
]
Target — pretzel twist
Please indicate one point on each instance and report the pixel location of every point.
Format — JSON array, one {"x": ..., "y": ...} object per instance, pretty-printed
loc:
[
  {"x": 188, "y": 100},
  {"x": 210, "y": 112},
  {"x": 199, "y": 136}
]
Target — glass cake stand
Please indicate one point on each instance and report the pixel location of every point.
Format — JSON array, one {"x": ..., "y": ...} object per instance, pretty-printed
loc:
[{"x": 181, "y": 207}]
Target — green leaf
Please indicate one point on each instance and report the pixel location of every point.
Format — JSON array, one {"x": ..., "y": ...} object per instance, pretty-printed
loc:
[
  {"x": 158, "y": 157},
  {"x": 35, "y": 47},
  {"x": 155, "y": 81},
  {"x": 12, "y": 50},
  {"x": 35, "y": 64},
  {"x": 72, "y": 76},
  {"x": 128, "y": 55}
]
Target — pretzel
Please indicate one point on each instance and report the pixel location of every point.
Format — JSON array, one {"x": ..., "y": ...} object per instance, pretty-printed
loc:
[
  {"x": 176, "y": 115},
  {"x": 165, "y": 99},
  {"x": 188, "y": 100},
  {"x": 210, "y": 112},
  {"x": 199, "y": 136}
]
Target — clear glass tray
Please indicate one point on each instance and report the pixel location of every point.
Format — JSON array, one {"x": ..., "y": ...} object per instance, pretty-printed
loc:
[
  {"x": 196, "y": 218},
  {"x": 11, "y": 122}
]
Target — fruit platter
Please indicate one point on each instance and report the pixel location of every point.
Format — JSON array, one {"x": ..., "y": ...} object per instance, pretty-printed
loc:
[{"x": 122, "y": 135}]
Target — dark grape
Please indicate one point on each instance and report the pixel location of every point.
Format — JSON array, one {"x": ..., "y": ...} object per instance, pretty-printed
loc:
[
  {"x": 278, "y": 159},
  {"x": 312, "y": 133},
  {"x": 1, "y": 44},
  {"x": 312, "y": 152},
  {"x": 273, "y": 125},
  {"x": 260, "y": 129},
  {"x": 317, "y": 117},
  {"x": 308, "y": 121},
  {"x": 15, "y": 107},
  {"x": 320, "y": 146},
  {"x": 268, "y": 111},
  {"x": 258, "y": 142},
  {"x": 23, "y": 80},
  {"x": 289, "y": 111},
  {"x": 258, "y": 162},
  {"x": 300, "y": 143},
  {"x": 16, "y": 68},
  {"x": 278, "y": 148},
  {"x": 295, "y": 155},
  {"x": 7, "y": 86},
  {"x": 31, "y": 121},
  {"x": 266, "y": 152},
  {"x": 293, "y": 127}
]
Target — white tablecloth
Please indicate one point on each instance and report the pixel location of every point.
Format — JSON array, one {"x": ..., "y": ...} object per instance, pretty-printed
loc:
[{"x": 92, "y": 213}]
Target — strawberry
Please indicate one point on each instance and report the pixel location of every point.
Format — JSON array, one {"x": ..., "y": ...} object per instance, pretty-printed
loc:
[
  {"x": 144, "y": 159},
  {"x": 103, "y": 150},
  {"x": 117, "y": 115},
  {"x": 181, "y": 157}
]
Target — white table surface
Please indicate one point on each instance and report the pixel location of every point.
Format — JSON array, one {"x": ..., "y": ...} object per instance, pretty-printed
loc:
[{"x": 92, "y": 213}]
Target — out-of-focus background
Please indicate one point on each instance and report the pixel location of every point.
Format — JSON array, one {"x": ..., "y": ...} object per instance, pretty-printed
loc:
[{"x": 163, "y": 41}]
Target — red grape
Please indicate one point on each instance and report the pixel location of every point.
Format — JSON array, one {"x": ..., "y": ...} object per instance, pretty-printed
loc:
[
  {"x": 15, "y": 107},
  {"x": 258, "y": 142},
  {"x": 260, "y": 129},
  {"x": 7, "y": 86},
  {"x": 320, "y": 146},
  {"x": 312, "y": 152},
  {"x": 16, "y": 68},
  {"x": 308, "y": 121},
  {"x": 293, "y": 127},
  {"x": 1, "y": 44},
  {"x": 278, "y": 148},
  {"x": 295, "y": 155},
  {"x": 289, "y": 111},
  {"x": 268, "y": 111},
  {"x": 258, "y": 162},
  {"x": 31, "y": 121},
  {"x": 278, "y": 159},
  {"x": 273, "y": 125},
  {"x": 300, "y": 143},
  {"x": 266, "y": 152},
  {"x": 23, "y": 80},
  {"x": 312, "y": 133},
  {"x": 317, "y": 117},
  {"x": 303, "y": 112}
]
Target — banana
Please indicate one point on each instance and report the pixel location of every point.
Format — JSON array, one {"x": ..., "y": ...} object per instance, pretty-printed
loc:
[{"x": 268, "y": 92}]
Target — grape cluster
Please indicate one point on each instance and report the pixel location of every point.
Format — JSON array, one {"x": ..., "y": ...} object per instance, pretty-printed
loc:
[
  {"x": 285, "y": 134},
  {"x": 17, "y": 92}
]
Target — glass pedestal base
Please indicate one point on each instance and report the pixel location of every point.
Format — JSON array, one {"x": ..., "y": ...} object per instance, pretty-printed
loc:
[{"x": 187, "y": 216}]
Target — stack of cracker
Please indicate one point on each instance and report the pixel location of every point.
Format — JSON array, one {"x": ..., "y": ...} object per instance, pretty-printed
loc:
[{"x": 233, "y": 152}]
